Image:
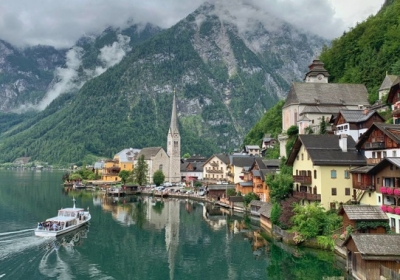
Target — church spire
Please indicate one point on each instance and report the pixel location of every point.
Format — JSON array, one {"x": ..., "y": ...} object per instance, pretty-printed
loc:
[{"x": 173, "y": 128}]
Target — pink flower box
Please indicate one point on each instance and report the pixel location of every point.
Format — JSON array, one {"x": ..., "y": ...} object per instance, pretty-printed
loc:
[
  {"x": 384, "y": 208},
  {"x": 389, "y": 190},
  {"x": 397, "y": 210},
  {"x": 390, "y": 209},
  {"x": 383, "y": 189},
  {"x": 396, "y": 191}
]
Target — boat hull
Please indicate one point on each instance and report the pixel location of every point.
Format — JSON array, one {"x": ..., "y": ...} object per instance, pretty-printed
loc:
[{"x": 54, "y": 233}]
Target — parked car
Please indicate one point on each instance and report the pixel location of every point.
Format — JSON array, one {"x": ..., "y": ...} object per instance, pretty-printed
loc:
[
  {"x": 160, "y": 188},
  {"x": 201, "y": 192},
  {"x": 167, "y": 184}
]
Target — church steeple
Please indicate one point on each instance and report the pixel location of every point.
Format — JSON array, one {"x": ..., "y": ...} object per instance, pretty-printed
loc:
[
  {"x": 173, "y": 127},
  {"x": 174, "y": 146},
  {"x": 317, "y": 73}
]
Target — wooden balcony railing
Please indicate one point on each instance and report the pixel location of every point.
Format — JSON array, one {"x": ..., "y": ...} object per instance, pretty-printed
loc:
[
  {"x": 373, "y": 161},
  {"x": 302, "y": 179},
  {"x": 213, "y": 164},
  {"x": 214, "y": 171},
  {"x": 374, "y": 145},
  {"x": 306, "y": 195},
  {"x": 364, "y": 186}
]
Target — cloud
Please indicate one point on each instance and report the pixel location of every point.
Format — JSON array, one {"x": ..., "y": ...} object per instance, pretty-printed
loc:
[{"x": 60, "y": 23}]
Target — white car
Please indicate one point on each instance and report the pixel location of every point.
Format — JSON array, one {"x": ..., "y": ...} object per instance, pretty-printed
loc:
[{"x": 167, "y": 184}]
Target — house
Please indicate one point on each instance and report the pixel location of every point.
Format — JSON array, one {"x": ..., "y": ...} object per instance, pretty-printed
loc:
[
  {"x": 393, "y": 98},
  {"x": 218, "y": 191},
  {"x": 379, "y": 141},
  {"x": 267, "y": 143},
  {"x": 111, "y": 170},
  {"x": 321, "y": 168},
  {"x": 126, "y": 158},
  {"x": 215, "y": 169},
  {"x": 252, "y": 150},
  {"x": 191, "y": 170},
  {"x": 381, "y": 104},
  {"x": 368, "y": 253},
  {"x": 236, "y": 165},
  {"x": 309, "y": 102},
  {"x": 259, "y": 170},
  {"x": 363, "y": 185},
  {"x": 156, "y": 159},
  {"x": 355, "y": 122},
  {"x": 358, "y": 217}
]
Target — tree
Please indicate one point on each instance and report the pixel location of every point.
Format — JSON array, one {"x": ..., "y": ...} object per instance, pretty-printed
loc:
[
  {"x": 140, "y": 171},
  {"x": 158, "y": 177},
  {"x": 75, "y": 176},
  {"x": 124, "y": 175},
  {"x": 322, "y": 126},
  {"x": 309, "y": 220},
  {"x": 198, "y": 184},
  {"x": 249, "y": 197},
  {"x": 230, "y": 192},
  {"x": 186, "y": 156}
]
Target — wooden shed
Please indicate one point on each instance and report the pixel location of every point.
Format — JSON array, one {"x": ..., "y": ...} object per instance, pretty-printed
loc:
[
  {"x": 366, "y": 253},
  {"x": 354, "y": 215}
]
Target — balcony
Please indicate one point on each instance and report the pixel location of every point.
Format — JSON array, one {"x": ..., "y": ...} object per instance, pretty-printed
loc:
[
  {"x": 214, "y": 171},
  {"x": 373, "y": 161},
  {"x": 374, "y": 145},
  {"x": 364, "y": 186},
  {"x": 306, "y": 195},
  {"x": 396, "y": 111},
  {"x": 302, "y": 179},
  {"x": 215, "y": 164}
]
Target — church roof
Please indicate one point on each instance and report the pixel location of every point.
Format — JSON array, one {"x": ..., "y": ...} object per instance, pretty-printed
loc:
[
  {"x": 316, "y": 68},
  {"x": 148, "y": 153},
  {"x": 320, "y": 109},
  {"x": 327, "y": 94}
]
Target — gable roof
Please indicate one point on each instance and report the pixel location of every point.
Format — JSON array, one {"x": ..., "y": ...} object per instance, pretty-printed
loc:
[
  {"x": 325, "y": 150},
  {"x": 241, "y": 160},
  {"x": 383, "y": 163},
  {"x": 148, "y": 153},
  {"x": 265, "y": 209},
  {"x": 377, "y": 246},
  {"x": 127, "y": 155},
  {"x": 220, "y": 187},
  {"x": 327, "y": 94},
  {"x": 357, "y": 116},
  {"x": 364, "y": 213},
  {"x": 390, "y": 130},
  {"x": 388, "y": 82},
  {"x": 222, "y": 157}
]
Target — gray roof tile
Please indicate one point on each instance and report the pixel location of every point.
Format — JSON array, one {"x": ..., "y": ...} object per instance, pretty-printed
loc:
[{"x": 364, "y": 212}]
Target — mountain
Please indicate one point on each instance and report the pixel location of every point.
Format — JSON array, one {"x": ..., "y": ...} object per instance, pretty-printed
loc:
[
  {"x": 33, "y": 77},
  {"x": 366, "y": 52},
  {"x": 225, "y": 69}
]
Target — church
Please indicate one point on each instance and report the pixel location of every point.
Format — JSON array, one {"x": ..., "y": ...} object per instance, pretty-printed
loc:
[{"x": 155, "y": 157}]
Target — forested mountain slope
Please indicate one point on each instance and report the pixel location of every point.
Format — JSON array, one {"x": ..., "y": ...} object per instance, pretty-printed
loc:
[{"x": 225, "y": 77}]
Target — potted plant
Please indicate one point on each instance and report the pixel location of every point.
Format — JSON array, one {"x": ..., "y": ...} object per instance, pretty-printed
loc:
[
  {"x": 397, "y": 210},
  {"x": 390, "y": 209},
  {"x": 383, "y": 189},
  {"x": 384, "y": 208},
  {"x": 389, "y": 190},
  {"x": 396, "y": 191}
]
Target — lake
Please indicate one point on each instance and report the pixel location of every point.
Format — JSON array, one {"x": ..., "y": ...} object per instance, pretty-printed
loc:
[{"x": 139, "y": 238}]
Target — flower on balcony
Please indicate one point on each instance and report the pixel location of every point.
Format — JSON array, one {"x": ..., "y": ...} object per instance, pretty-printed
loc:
[
  {"x": 389, "y": 190},
  {"x": 384, "y": 208},
  {"x": 396, "y": 191},
  {"x": 390, "y": 209},
  {"x": 397, "y": 210},
  {"x": 383, "y": 189}
]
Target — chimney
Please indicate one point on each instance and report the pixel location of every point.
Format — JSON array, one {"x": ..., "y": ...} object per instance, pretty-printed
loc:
[
  {"x": 343, "y": 142},
  {"x": 366, "y": 111}
]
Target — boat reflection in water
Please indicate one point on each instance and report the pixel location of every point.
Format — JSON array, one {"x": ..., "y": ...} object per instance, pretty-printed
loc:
[{"x": 61, "y": 255}]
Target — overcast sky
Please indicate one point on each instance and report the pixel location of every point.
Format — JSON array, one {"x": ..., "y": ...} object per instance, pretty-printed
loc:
[{"x": 61, "y": 22}]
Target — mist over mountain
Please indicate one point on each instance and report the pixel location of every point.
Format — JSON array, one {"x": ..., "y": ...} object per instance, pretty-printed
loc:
[{"x": 227, "y": 65}]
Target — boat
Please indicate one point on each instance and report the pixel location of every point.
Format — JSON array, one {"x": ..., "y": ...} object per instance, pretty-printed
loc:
[
  {"x": 116, "y": 192},
  {"x": 67, "y": 219}
]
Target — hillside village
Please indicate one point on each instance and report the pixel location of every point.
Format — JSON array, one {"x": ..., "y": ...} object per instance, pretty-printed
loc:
[{"x": 353, "y": 167}]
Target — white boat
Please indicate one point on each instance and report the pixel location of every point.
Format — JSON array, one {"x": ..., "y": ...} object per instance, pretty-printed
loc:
[{"x": 67, "y": 220}]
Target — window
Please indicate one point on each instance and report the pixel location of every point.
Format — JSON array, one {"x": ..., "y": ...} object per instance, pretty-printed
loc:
[
  {"x": 393, "y": 223},
  {"x": 302, "y": 156},
  {"x": 160, "y": 167},
  {"x": 332, "y": 205},
  {"x": 377, "y": 180},
  {"x": 346, "y": 174},
  {"x": 347, "y": 191},
  {"x": 334, "y": 191},
  {"x": 384, "y": 154},
  {"x": 333, "y": 174},
  {"x": 359, "y": 178},
  {"x": 315, "y": 174},
  {"x": 394, "y": 154},
  {"x": 391, "y": 166},
  {"x": 373, "y": 154},
  {"x": 379, "y": 199}
]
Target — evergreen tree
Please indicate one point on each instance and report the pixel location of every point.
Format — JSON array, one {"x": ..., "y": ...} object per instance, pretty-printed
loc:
[{"x": 140, "y": 171}]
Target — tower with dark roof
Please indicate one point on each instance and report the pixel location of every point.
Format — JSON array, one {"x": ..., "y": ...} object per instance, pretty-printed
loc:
[
  {"x": 174, "y": 147},
  {"x": 317, "y": 73}
]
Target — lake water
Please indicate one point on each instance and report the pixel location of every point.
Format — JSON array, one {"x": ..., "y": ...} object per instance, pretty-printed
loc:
[{"x": 138, "y": 238}]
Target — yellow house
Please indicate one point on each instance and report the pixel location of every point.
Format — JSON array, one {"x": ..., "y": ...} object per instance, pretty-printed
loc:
[
  {"x": 321, "y": 168},
  {"x": 124, "y": 160},
  {"x": 215, "y": 169}
]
